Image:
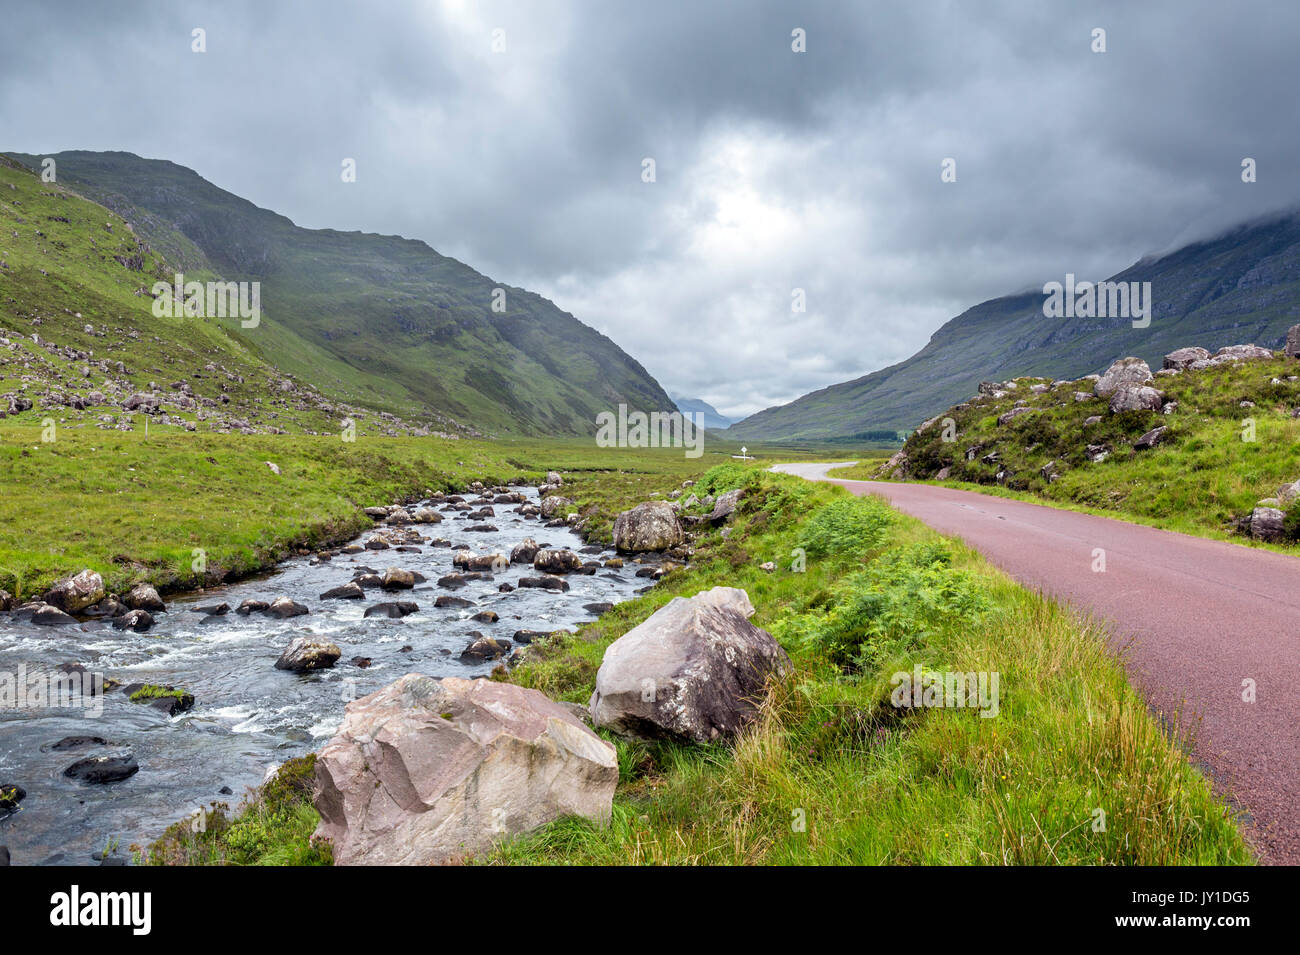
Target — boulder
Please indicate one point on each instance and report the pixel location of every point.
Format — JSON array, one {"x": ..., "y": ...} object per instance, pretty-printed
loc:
[
  {"x": 557, "y": 561},
  {"x": 1181, "y": 358},
  {"x": 546, "y": 582},
  {"x": 696, "y": 670},
  {"x": 1009, "y": 416},
  {"x": 283, "y": 607},
  {"x": 456, "y": 603},
  {"x": 43, "y": 615},
  {"x": 349, "y": 591},
  {"x": 137, "y": 620},
  {"x": 103, "y": 769},
  {"x": 524, "y": 551},
  {"x": 725, "y": 506},
  {"x": 1287, "y": 493},
  {"x": 303, "y": 654},
  {"x": 1125, "y": 371},
  {"x": 392, "y": 609},
  {"x": 76, "y": 593},
  {"x": 649, "y": 526},
  {"x": 143, "y": 597},
  {"x": 553, "y": 477},
  {"x": 484, "y": 648},
  {"x": 1292, "y": 349},
  {"x": 1151, "y": 438},
  {"x": 395, "y": 578},
  {"x": 1266, "y": 523},
  {"x": 427, "y": 771},
  {"x": 1135, "y": 398},
  {"x": 250, "y": 606},
  {"x": 555, "y": 506},
  {"x": 1241, "y": 353},
  {"x": 426, "y": 515}
]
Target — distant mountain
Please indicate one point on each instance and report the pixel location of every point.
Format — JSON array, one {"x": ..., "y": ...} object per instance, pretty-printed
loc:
[
  {"x": 80, "y": 343},
  {"x": 385, "y": 321},
  {"x": 1242, "y": 286},
  {"x": 712, "y": 417}
]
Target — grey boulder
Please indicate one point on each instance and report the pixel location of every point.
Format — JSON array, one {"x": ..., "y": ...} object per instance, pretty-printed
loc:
[
  {"x": 427, "y": 771},
  {"x": 695, "y": 670},
  {"x": 649, "y": 526}
]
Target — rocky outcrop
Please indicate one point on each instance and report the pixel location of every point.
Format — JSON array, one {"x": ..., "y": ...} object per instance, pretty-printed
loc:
[
  {"x": 1135, "y": 398},
  {"x": 1266, "y": 522},
  {"x": 1181, "y": 358},
  {"x": 1151, "y": 438},
  {"x": 426, "y": 771},
  {"x": 725, "y": 506},
  {"x": 1292, "y": 349},
  {"x": 1124, "y": 372},
  {"x": 696, "y": 670},
  {"x": 649, "y": 526},
  {"x": 555, "y": 506}
]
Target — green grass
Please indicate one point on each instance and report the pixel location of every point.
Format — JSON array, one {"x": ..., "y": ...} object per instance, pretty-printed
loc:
[
  {"x": 146, "y": 509},
  {"x": 831, "y": 773},
  {"x": 934, "y": 787},
  {"x": 1199, "y": 480},
  {"x": 273, "y": 827}
]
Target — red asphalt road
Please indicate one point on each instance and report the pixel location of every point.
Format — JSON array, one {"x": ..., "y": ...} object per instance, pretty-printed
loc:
[{"x": 1194, "y": 617}]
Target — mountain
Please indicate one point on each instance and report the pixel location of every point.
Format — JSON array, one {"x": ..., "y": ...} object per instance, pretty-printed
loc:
[
  {"x": 712, "y": 418},
  {"x": 1241, "y": 286},
  {"x": 80, "y": 345},
  {"x": 384, "y": 321}
]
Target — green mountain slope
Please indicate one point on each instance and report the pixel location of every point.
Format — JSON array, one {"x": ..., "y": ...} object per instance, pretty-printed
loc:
[
  {"x": 79, "y": 342},
  {"x": 384, "y": 320},
  {"x": 1241, "y": 287}
]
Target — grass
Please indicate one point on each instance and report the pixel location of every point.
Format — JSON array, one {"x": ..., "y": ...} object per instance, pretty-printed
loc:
[
  {"x": 273, "y": 827},
  {"x": 1201, "y": 479},
  {"x": 181, "y": 510},
  {"x": 1073, "y": 770},
  {"x": 832, "y": 775}
]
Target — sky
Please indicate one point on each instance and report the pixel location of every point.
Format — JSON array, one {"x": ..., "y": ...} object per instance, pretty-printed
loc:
[{"x": 514, "y": 136}]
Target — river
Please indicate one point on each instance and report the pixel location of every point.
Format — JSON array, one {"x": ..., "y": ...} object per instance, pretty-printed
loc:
[{"x": 248, "y": 716}]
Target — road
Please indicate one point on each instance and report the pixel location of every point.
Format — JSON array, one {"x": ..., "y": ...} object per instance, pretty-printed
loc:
[{"x": 1194, "y": 617}]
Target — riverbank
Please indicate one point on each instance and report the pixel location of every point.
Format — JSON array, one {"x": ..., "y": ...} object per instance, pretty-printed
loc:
[
  {"x": 183, "y": 511},
  {"x": 1072, "y": 769}
]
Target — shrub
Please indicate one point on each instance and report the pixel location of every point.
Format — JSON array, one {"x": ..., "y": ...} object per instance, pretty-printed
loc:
[
  {"x": 893, "y": 607},
  {"x": 724, "y": 477},
  {"x": 847, "y": 526}
]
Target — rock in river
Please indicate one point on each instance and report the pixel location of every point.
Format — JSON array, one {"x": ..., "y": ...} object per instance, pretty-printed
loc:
[
  {"x": 303, "y": 654},
  {"x": 76, "y": 593},
  {"x": 103, "y": 769}
]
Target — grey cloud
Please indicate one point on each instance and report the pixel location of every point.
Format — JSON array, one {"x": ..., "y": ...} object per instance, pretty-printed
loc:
[{"x": 775, "y": 170}]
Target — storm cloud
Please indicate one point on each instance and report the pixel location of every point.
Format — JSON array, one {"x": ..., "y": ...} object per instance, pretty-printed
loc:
[{"x": 775, "y": 170}]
